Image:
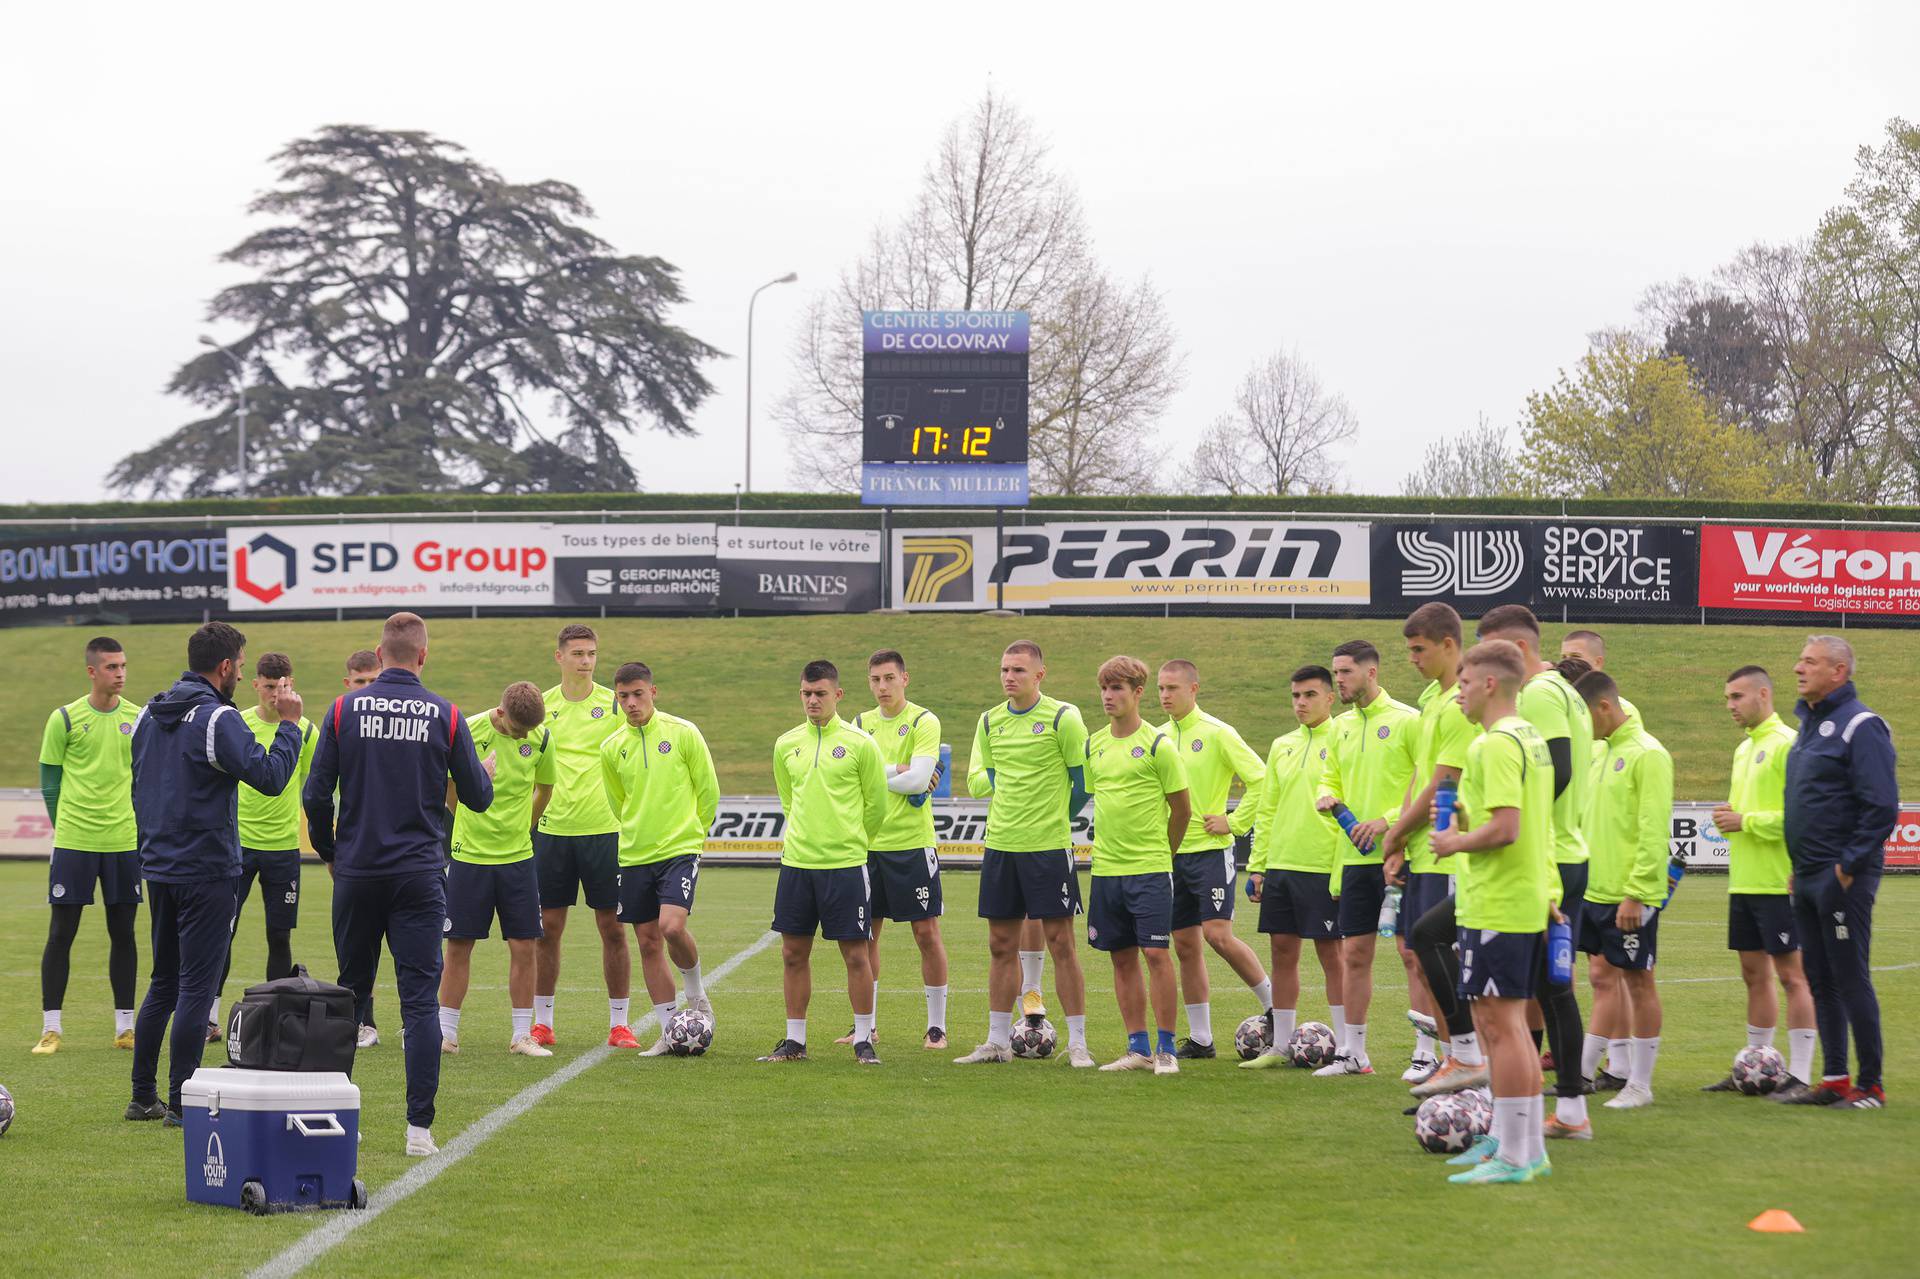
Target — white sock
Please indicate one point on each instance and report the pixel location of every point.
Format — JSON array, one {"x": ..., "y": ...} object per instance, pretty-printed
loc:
[
  {"x": 661, "y": 1014},
  {"x": 1077, "y": 1030},
  {"x": 1000, "y": 1029},
  {"x": 1281, "y": 1021},
  {"x": 616, "y": 1013},
  {"x": 450, "y": 1023},
  {"x": 543, "y": 1010},
  {"x": 1620, "y": 1057},
  {"x": 695, "y": 985},
  {"x": 1339, "y": 1014},
  {"x": 122, "y": 1020},
  {"x": 1263, "y": 993},
  {"x": 936, "y": 1007},
  {"x": 1800, "y": 1053},
  {"x": 1509, "y": 1126},
  {"x": 1643, "y": 1053},
  {"x": 1590, "y": 1049},
  {"x": 873, "y": 1017},
  {"x": 417, "y": 1134},
  {"x": 1200, "y": 1023},
  {"x": 1032, "y": 965},
  {"x": 1357, "y": 1042},
  {"x": 1759, "y": 1036},
  {"x": 1571, "y": 1110},
  {"x": 1536, "y": 1130},
  {"x": 1423, "y": 1045},
  {"x": 862, "y": 1028},
  {"x": 50, "y": 1020},
  {"x": 522, "y": 1023},
  {"x": 1466, "y": 1050},
  {"x": 797, "y": 1030}
]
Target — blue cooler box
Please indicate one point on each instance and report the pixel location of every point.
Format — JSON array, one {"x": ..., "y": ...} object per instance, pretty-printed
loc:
[{"x": 272, "y": 1140}]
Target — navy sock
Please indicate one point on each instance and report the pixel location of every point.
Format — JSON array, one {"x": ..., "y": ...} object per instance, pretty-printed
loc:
[
  {"x": 1166, "y": 1041},
  {"x": 1137, "y": 1043}
]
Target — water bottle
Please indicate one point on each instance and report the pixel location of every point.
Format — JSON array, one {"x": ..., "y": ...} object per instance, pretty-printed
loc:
[
  {"x": 1560, "y": 952},
  {"x": 1444, "y": 798},
  {"x": 1344, "y": 815},
  {"x": 1390, "y": 913},
  {"x": 942, "y": 785},
  {"x": 1676, "y": 867}
]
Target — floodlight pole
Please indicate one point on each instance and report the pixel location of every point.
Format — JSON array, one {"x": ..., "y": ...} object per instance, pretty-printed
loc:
[{"x": 788, "y": 278}]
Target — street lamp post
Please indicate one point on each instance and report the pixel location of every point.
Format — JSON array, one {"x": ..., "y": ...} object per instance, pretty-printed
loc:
[
  {"x": 240, "y": 404},
  {"x": 788, "y": 278}
]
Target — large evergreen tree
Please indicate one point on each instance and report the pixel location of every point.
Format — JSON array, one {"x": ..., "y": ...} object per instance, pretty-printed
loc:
[{"x": 416, "y": 323}]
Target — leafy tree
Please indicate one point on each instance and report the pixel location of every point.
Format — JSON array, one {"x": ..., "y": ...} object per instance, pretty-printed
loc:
[
  {"x": 1730, "y": 356},
  {"x": 1630, "y": 422},
  {"x": 1478, "y": 462},
  {"x": 417, "y": 322}
]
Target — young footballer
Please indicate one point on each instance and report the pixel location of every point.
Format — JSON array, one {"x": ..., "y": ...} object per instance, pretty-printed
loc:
[
  {"x": 363, "y": 667},
  {"x": 660, "y": 781}
]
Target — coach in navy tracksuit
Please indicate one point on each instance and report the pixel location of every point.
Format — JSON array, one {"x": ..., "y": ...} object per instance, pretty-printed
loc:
[
  {"x": 1842, "y": 801},
  {"x": 391, "y": 746},
  {"x": 191, "y": 751}
]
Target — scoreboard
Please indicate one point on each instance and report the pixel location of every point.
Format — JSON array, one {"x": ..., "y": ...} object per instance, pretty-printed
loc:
[{"x": 944, "y": 409}]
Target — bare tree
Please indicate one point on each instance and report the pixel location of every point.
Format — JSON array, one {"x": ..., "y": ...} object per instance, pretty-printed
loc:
[
  {"x": 995, "y": 227},
  {"x": 1280, "y": 436},
  {"x": 1474, "y": 463}
]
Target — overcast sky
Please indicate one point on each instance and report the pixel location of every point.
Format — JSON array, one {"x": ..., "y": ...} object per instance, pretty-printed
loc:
[{"x": 1434, "y": 207}]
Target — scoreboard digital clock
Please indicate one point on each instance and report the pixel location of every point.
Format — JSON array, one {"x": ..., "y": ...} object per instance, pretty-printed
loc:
[{"x": 944, "y": 412}]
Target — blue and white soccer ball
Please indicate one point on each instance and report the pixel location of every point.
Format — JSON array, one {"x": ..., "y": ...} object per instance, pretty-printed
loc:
[
  {"x": 689, "y": 1032},
  {"x": 1480, "y": 1107},
  {"x": 6, "y": 1110},
  {"x": 1759, "y": 1071},
  {"x": 1253, "y": 1037},
  {"x": 1444, "y": 1124},
  {"x": 1312, "y": 1045},
  {"x": 1034, "y": 1038}
]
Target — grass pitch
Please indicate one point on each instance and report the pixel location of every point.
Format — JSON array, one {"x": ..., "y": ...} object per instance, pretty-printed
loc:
[
  {"x": 723, "y": 1165},
  {"x": 738, "y": 678}
]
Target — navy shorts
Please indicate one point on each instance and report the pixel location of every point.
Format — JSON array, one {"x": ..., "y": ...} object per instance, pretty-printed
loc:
[
  {"x": 278, "y": 871},
  {"x": 1028, "y": 885},
  {"x": 1499, "y": 965},
  {"x": 70, "y": 876},
  {"x": 1573, "y": 898},
  {"x": 476, "y": 892},
  {"x": 833, "y": 902},
  {"x": 1202, "y": 887},
  {"x": 905, "y": 885},
  {"x": 1363, "y": 891},
  {"x": 1634, "y": 951},
  {"x": 1130, "y": 910},
  {"x": 1762, "y": 921},
  {"x": 1299, "y": 903},
  {"x": 645, "y": 889},
  {"x": 569, "y": 865},
  {"x": 1422, "y": 894}
]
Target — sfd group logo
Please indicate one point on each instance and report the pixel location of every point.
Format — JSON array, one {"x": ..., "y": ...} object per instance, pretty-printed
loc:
[{"x": 265, "y": 568}]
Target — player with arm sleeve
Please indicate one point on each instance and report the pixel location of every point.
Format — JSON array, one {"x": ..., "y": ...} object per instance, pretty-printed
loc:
[
  {"x": 1213, "y": 754},
  {"x": 1141, "y": 813},
  {"x": 1029, "y": 761}
]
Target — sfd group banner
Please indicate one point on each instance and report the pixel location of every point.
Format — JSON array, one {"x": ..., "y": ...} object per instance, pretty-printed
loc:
[{"x": 322, "y": 566}]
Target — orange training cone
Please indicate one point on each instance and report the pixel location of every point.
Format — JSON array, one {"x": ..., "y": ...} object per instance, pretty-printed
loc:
[{"x": 1776, "y": 1221}]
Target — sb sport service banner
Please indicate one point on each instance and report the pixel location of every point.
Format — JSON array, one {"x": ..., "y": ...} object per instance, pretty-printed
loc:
[
  {"x": 113, "y": 573},
  {"x": 798, "y": 570},
  {"x": 636, "y": 567},
  {"x": 325, "y": 566},
  {"x": 1154, "y": 563},
  {"x": 1567, "y": 568},
  {"x": 1812, "y": 570}
]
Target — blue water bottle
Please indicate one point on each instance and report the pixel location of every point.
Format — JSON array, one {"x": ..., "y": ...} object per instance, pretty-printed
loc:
[
  {"x": 942, "y": 779},
  {"x": 1676, "y": 867},
  {"x": 1344, "y": 815},
  {"x": 1444, "y": 798},
  {"x": 1560, "y": 952}
]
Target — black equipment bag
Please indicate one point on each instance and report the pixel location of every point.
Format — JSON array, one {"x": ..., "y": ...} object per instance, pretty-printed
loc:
[{"x": 294, "y": 1023}]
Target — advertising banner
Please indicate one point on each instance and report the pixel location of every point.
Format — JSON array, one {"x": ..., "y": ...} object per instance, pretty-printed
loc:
[
  {"x": 1648, "y": 570},
  {"x": 25, "y": 830},
  {"x": 134, "y": 573},
  {"x": 942, "y": 568},
  {"x": 798, "y": 570},
  {"x": 1810, "y": 569},
  {"x": 1158, "y": 562},
  {"x": 664, "y": 567},
  {"x": 1470, "y": 566},
  {"x": 323, "y": 566}
]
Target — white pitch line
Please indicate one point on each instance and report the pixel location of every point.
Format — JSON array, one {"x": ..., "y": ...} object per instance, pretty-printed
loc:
[{"x": 323, "y": 1239}]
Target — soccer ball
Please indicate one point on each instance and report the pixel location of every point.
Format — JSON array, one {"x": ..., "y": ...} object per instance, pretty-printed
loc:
[
  {"x": 1034, "y": 1038},
  {"x": 1759, "y": 1071},
  {"x": 1254, "y": 1037},
  {"x": 1479, "y": 1107},
  {"x": 689, "y": 1032},
  {"x": 6, "y": 1110},
  {"x": 1312, "y": 1045},
  {"x": 1444, "y": 1124}
]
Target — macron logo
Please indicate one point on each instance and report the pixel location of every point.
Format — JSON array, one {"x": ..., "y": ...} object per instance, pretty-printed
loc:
[{"x": 264, "y": 581}]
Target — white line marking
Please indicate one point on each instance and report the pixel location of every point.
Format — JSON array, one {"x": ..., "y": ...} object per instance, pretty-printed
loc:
[{"x": 323, "y": 1239}]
